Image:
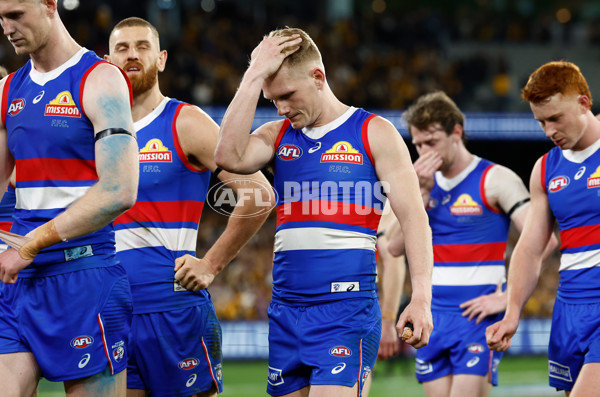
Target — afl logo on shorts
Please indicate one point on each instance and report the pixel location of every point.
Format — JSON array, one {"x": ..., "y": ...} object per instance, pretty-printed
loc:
[
  {"x": 475, "y": 348},
  {"x": 340, "y": 351},
  {"x": 289, "y": 152},
  {"x": 189, "y": 363},
  {"x": 81, "y": 342},
  {"x": 16, "y": 106},
  {"x": 558, "y": 183}
]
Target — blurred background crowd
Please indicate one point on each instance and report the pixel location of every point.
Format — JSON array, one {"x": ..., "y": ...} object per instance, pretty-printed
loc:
[{"x": 378, "y": 54}]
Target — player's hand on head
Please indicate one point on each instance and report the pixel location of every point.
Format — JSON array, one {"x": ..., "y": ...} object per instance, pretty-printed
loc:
[
  {"x": 268, "y": 56},
  {"x": 193, "y": 273},
  {"x": 419, "y": 316},
  {"x": 11, "y": 263},
  {"x": 426, "y": 166}
]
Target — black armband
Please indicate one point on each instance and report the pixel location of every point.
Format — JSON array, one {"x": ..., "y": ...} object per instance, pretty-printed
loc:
[
  {"x": 217, "y": 171},
  {"x": 381, "y": 233},
  {"x": 111, "y": 131},
  {"x": 517, "y": 205}
]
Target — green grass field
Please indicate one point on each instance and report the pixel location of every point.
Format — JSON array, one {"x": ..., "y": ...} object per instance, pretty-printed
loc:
[{"x": 519, "y": 377}]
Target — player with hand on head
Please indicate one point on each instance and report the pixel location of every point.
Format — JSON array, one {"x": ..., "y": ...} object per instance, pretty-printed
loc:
[
  {"x": 564, "y": 188},
  {"x": 65, "y": 308},
  {"x": 470, "y": 202},
  {"x": 331, "y": 164},
  {"x": 175, "y": 335}
]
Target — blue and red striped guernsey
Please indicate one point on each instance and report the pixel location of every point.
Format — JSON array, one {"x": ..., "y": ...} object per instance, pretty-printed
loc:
[
  {"x": 52, "y": 142},
  {"x": 469, "y": 241},
  {"x": 328, "y": 210},
  {"x": 573, "y": 190},
  {"x": 163, "y": 223}
]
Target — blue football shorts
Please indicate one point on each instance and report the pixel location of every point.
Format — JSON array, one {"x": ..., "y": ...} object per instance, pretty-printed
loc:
[
  {"x": 326, "y": 344},
  {"x": 75, "y": 324},
  {"x": 176, "y": 352},
  {"x": 574, "y": 341},
  {"x": 456, "y": 347}
]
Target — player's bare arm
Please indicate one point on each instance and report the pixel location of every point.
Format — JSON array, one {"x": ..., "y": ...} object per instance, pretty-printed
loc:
[
  {"x": 237, "y": 150},
  {"x": 393, "y": 166},
  {"x": 198, "y": 134},
  {"x": 7, "y": 161},
  {"x": 525, "y": 264}
]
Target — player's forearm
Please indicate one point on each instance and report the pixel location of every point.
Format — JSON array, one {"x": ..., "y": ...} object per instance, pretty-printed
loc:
[
  {"x": 419, "y": 255},
  {"x": 394, "y": 272},
  {"x": 236, "y": 125},
  {"x": 523, "y": 276},
  {"x": 235, "y": 236}
]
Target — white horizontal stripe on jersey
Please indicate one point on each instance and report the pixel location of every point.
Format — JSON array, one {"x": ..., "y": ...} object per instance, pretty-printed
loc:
[
  {"x": 173, "y": 239},
  {"x": 321, "y": 238},
  {"x": 45, "y": 198},
  {"x": 579, "y": 260},
  {"x": 468, "y": 275}
]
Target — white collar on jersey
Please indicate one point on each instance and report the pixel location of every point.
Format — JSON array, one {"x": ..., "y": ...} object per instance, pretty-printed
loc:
[
  {"x": 450, "y": 183},
  {"x": 42, "y": 78},
  {"x": 147, "y": 119},
  {"x": 580, "y": 156},
  {"x": 320, "y": 131}
]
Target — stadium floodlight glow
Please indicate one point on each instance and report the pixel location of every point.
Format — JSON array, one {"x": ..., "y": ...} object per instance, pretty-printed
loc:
[
  {"x": 208, "y": 5},
  {"x": 70, "y": 5}
]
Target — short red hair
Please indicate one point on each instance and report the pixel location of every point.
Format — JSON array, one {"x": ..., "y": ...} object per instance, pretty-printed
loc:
[{"x": 557, "y": 77}]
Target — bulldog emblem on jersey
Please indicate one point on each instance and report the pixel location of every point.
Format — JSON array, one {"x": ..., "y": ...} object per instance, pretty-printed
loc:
[
  {"x": 63, "y": 105},
  {"x": 594, "y": 179},
  {"x": 342, "y": 152},
  {"x": 465, "y": 205},
  {"x": 155, "y": 151}
]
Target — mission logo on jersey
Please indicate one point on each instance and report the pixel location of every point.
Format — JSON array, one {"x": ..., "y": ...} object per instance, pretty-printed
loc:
[
  {"x": 62, "y": 105},
  {"x": 594, "y": 179},
  {"x": 342, "y": 152},
  {"x": 465, "y": 205},
  {"x": 155, "y": 151}
]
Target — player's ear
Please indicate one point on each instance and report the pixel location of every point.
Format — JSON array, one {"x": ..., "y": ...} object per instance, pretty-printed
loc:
[
  {"x": 162, "y": 60},
  {"x": 318, "y": 75}
]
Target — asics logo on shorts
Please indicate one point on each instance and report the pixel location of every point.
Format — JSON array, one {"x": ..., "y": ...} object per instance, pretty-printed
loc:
[
  {"x": 191, "y": 380},
  {"x": 338, "y": 368},
  {"x": 472, "y": 362},
  {"x": 85, "y": 359}
]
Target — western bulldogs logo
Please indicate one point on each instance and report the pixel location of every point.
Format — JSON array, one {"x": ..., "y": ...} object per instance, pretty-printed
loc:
[
  {"x": 16, "y": 106},
  {"x": 289, "y": 152}
]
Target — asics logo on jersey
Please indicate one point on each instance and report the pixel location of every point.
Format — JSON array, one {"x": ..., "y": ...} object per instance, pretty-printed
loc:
[
  {"x": 191, "y": 380},
  {"x": 315, "y": 148},
  {"x": 38, "y": 97},
  {"x": 472, "y": 362},
  {"x": 85, "y": 359},
  {"x": 338, "y": 368},
  {"x": 580, "y": 173}
]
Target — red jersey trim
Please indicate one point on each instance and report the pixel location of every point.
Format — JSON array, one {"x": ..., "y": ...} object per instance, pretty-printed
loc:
[
  {"x": 482, "y": 190},
  {"x": 163, "y": 211},
  {"x": 469, "y": 252},
  {"x": 329, "y": 211},
  {"x": 5, "y": 97},
  {"x": 177, "y": 144},
  {"x": 580, "y": 236},
  {"x": 543, "y": 173},
  {"x": 284, "y": 127},
  {"x": 56, "y": 169},
  {"x": 365, "y": 137},
  {"x": 87, "y": 73}
]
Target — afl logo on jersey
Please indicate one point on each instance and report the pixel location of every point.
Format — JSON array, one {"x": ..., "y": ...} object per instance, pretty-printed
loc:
[
  {"x": 289, "y": 152},
  {"x": 16, "y": 106},
  {"x": 558, "y": 183},
  {"x": 63, "y": 105},
  {"x": 189, "y": 363}
]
